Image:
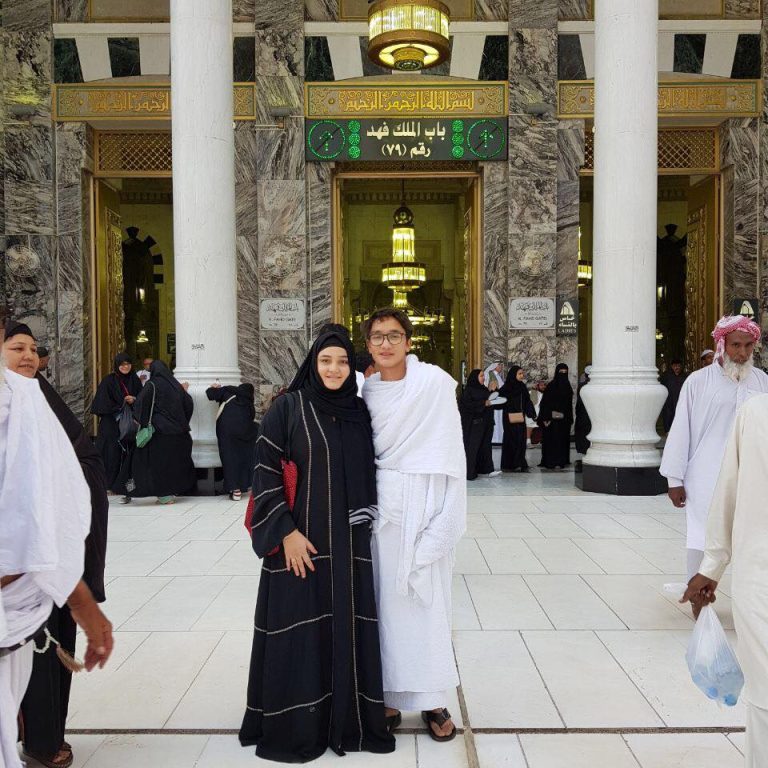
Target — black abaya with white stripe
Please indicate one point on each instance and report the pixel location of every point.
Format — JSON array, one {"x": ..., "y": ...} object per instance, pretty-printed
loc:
[{"x": 315, "y": 676}]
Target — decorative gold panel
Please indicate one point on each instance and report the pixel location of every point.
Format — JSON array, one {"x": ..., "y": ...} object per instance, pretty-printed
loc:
[
  {"x": 133, "y": 153},
  {"x": 76, "y": 102},
  {"x": 726, "y": 98},
  {"x": 695, "y": 287},
  {"x": 457, "y": 99},
  {"x": 357, "y": 10},
  {"x": 682, "y": 151},
  {"x": 114, "y": 233}
]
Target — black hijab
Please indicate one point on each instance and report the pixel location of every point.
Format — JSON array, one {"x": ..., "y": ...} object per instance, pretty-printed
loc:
[
  {"x": 512, "y": 387},
  {"x": 12, "y": 328},
  {"x": 343, "y": 403},
  {"x": 558, "y": 396},
  {"x": 357, "y": 467},
  {"x": 173, "y": 406},
  {"x": 113, "y": 388}
]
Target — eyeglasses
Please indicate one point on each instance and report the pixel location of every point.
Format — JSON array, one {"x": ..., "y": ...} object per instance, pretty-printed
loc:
[{"x": 393, "y": 337}]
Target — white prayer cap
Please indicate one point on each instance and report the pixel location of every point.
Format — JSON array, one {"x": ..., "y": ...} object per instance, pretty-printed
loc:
[
  {"x": 588, "y": 370},
  {"x": 705, "y": 353}
]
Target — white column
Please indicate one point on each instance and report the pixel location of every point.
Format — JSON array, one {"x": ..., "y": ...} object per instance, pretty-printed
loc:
[
  {"x": 204, "y": 208},
  {"x": 624, "y": 397}
]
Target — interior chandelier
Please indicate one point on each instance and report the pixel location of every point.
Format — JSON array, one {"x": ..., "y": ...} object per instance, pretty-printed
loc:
[
  {"x": 403, "y": 273},
  {"x": 408, "y": 35}
]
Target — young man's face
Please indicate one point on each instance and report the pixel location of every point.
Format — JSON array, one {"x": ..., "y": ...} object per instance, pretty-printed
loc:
[
  {"x": 677, "y": 368},
  {"x": 393, "y": 346}
]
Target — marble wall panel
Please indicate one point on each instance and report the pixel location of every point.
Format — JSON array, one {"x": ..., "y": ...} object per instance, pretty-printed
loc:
[
  {"x": 541, "y": 14},
  {"x": 243, "y": 10},
  {"x": 280, "y": 152},
  {"x": 68, "y": 209},
  {"x": 274, "y": 90},
  {"x": 71, "y": 10},
  {"x": 496, "y": 263},
  {"x": 742, "y": 9},
  {"x": 246, "y": 152},
  {"x": 69, "y": 257},
  {"x": 280, "y": 52},
  {"x": 319, "y": 245},
  {"x": 727, "y": 184},
  {"x": 27, "y": 76},
  {"x": 29, "y": 207},
  {"x": 279, "y": 15},
  {"x": 322, "y": 10},
  {"x": 532, "y": 67},
  {"x": 281, "y": 209},
  {"x": 283, "y": 265},
  {"x": 246, "y": 208},
  {"x": 532, "y": 351},
  {"x": 574, "y": 9},
  {"x": 71, "y": 140},
  {"x": 248, "y": 307},
  {"x": 26, "y": 14},
  {"x": 491, "y": 10},
  {"x": 29, "y": 153},
  {"x": 280, "y": 355},
  {"x": 532, "y": 265}
]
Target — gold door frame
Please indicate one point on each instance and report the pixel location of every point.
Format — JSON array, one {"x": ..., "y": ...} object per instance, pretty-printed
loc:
[{"x": 475, "y": 288}]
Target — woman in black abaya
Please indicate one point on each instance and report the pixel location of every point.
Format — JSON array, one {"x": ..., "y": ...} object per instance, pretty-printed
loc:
[
  {"x": 163, "y": 467},
  {"x": 476, "y": 423},
  {"x": 116, "y": 388},
  {"x": 555, "y": 419},
  {"x": 236, "y": 432},
  {"x": 515, "y": 434},
  {"x": 315, "y": 677}
]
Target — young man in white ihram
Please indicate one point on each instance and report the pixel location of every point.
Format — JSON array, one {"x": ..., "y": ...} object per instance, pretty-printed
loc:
[{"x": 422, "y": 495}]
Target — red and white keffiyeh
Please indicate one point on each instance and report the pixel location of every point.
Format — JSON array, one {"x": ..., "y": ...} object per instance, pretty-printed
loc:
[{"x": 730, "y": 324}]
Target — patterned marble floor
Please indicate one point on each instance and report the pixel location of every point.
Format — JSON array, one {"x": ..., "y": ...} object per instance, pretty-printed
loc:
[{"x": 560, "y": 623}]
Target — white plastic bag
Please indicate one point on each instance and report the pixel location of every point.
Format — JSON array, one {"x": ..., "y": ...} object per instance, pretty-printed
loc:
[{"x": 711, "y": 660}]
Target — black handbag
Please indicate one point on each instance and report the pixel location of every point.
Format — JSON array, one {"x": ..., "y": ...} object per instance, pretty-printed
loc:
[{"x": 126, "y": 424}]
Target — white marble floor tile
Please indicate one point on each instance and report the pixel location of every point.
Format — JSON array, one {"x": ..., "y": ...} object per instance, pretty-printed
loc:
[
  {"x": 83, "y": 748},
  {"x": 513, "y": 526},
  {"x": 639, "y": 607},
  {"x": 235, "y": 531},
  {"x": 469, "y": 559},
  {"x": 146, "y": 688},
  {"x": 206, "y": 528},
  {"x": 233, "y": 608},
  {"x": 144, "y": 558},
  {"x": 570, "y": 603},
  {"x": 562, "y": 556},
  {"x": 225, "y": 752},
  {"x": 506, "y": 602},
  {"x": 674, "y": 520},
  {"x": 501, "y": 685},
  {"x": 576, "y": 506},
  {"x": 684, "y": 750},
  {"x": 647, "y": 527},
  {"x": 588, "y": 686},
  {"x": 162, "y": 528},
  {"x": 667, "y": 555},
  {"x": 615, "y": 556},
  {"x": 479, "y": 527},
  {"x": 128, "y": 594},
  {"x": 499, "y": 751},
  {"x": 217, "y": 696},
  {"x": 241, "y": 560},
  {"x": 738, "y": 740},
  {"x": 504, "y": 505},
  {"x": 722, "y": 605},
  {"x": 601, "y": 526},
  {"x": 404, "y": 756},
  {"x": 178, "y": 605},
  {"x": 505, "y": 556},
  {"x": 576, "y": 751},
  {"x": 161, "y": 751},
  {"x": 432, "y": 754},
  {"x": 656, "y": 663},
  {"x": 195, "y": 558},
  {"x": 124, "y": 527},
  {"x": 557, "y": 526},
  {"x": 464, "y": 613}
]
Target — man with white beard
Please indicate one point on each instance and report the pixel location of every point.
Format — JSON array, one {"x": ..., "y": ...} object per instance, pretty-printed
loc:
[{"x": 706, "y": 411}]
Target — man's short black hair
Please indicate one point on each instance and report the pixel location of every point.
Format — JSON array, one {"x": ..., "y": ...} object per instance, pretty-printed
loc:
[
  {"x": 43, "y": 352},
  {"x": 342, "y": 330},
  {"x": 383, "y": 314},
  {"x": 676, "y": 361}
]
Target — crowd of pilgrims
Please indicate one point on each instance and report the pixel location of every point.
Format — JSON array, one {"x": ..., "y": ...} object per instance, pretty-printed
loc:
[{"x": 495, "y": 410}]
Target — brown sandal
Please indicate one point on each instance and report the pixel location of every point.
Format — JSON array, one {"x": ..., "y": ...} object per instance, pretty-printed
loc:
[
  {"x": 53, "y": 763},
  {"x": 439, "y": 719}
]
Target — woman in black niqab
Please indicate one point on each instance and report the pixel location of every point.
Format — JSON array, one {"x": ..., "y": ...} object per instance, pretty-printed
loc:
[
  {"x": 115, "y": 390},
  {"x": 518, "y": 398},
  {"x": 476, "y": 424},
  {"x": 556, "y": 418},
  {"x": 236, "y": 432},
  {"x": 315, "y": 677}
]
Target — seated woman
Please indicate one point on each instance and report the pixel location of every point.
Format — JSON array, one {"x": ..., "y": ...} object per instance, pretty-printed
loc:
[
  {"x": 236, "y": 433},
  {"x": 516, "y": 409},
  {"x": 315, "y": 678},
  {"x": 163, "y": 467}
]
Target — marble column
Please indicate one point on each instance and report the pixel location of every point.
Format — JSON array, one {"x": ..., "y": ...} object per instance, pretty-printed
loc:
[
  {"x": 624, "y": 397},
  {"x": 204, "y": 208}
]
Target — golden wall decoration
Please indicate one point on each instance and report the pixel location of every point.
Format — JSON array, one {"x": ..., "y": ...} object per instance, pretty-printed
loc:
[
  {"x": 726, "y": 98},
  {"x": 114, "y": 234},
  {"x": 682, "y": 151},
  {"x": 76, "y": 102},
  {"x": 459, "y": 99},
  {"x": 132, "y": 153},
  {"x": 695, "y": 287}
]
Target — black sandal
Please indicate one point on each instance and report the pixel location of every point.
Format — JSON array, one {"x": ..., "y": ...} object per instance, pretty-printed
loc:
[
  {"x": 393, "y": 721},
  {"x": 439, "y": 719}
]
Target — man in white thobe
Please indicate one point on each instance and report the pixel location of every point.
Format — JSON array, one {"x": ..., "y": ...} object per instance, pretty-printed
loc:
[
  {"x": 45, "y": 515},
  {"x": 706, "y": 411},
  {"x": 422, "y": 494},
  {"x": 737, "y": 533}
]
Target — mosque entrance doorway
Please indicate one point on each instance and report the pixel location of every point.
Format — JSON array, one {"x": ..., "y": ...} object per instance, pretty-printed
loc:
[
  {"x": 413, "y": 241},
  {"x": 689, "y": 258},
  {"x": 133, "y": 285}
]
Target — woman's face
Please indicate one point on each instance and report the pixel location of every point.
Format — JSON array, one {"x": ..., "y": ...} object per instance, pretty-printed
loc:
[
  {"x": 562, "y": 371},
  {"x": 125, "y": 368},
  {"x": 481, "y": 377},
  {"x": 520, "y": 375},
  {"x": 333, "y": 367},
  {"x": 20, "y": 353}
]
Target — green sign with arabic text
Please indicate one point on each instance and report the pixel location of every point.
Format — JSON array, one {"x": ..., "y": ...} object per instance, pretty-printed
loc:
[{"x": 406, "y": 139}]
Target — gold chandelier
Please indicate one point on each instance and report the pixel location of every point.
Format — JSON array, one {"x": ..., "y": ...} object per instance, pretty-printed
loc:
[
  {"x": 403, "y": 273},
  {"x": 408, "y": 35}
]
